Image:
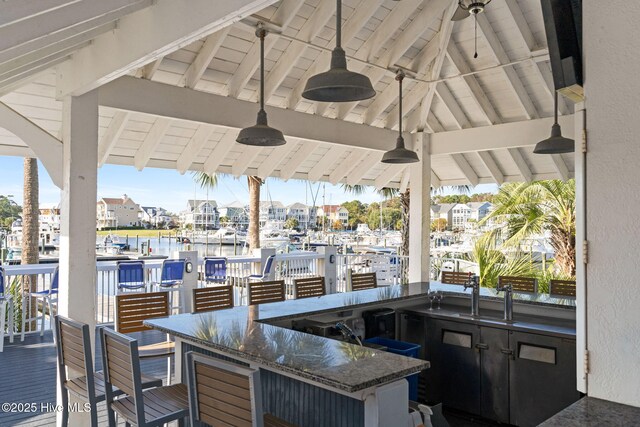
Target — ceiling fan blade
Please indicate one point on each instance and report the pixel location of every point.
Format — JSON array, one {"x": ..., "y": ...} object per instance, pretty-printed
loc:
[{"x": 459, "y": 14}]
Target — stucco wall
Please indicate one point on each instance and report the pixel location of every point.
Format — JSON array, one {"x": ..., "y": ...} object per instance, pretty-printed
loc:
[{"x": 612, "y": 89}]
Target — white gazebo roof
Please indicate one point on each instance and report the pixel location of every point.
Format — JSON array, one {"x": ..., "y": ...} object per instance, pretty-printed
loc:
[{"x": 485, "y": 114}]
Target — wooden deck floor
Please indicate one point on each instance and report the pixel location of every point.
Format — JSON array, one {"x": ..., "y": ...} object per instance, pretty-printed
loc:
[{"x": 28, "y": 375}]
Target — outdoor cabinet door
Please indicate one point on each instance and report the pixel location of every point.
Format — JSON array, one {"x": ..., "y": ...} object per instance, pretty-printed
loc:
[
  {"x": 459, "y": 365},
  {"x": 413, "y": 329},
  {"x": 542, "y": 377},
  {"x": 494, "y": 354}
]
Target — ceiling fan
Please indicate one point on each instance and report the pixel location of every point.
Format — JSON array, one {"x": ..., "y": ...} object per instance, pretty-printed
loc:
[{"x": 467, "y": 8}]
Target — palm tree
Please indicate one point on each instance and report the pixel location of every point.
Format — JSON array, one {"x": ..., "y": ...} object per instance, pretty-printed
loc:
[
  {"x": 206, "y": 180},
  {"x": 30, "y": 227},
  {"x": 533, "y": 208}
]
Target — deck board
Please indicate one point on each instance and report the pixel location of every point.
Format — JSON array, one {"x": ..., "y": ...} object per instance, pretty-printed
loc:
[{"x": 28, "y": 375}]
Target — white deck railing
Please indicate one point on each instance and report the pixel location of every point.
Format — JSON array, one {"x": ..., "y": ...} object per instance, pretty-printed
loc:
[{"x": 390, "y": 269}]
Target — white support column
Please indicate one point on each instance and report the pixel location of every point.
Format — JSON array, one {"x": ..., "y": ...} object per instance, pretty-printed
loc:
[
  {"x": 77, "y": 289},
  {"x": 419, "y": 221},
  {"x": 581, "y": 236},
  {"x": 190, "y": 280},
  {"x": 328, "y": 268}
]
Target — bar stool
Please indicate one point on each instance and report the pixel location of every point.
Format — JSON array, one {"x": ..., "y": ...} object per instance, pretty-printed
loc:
[
  {"x": 212, "y": 298},
  {"x": 6, "y": 306},
  {"x": 265, "y": 292},
  {"x": 221, "y": 393},
  {"x": 172, "y": 280},
  {"x": 132, "y": 309},
  {"x": 308, "y": 287},
  {"x": 73, "y": 347},
  {"x": 215, "y": 270},
  {"x": 131, "y": 275},
  {"x": 143, "y": 408},
  {"x": 363, "y": 281},
  {"x": 48, "y": 297}
]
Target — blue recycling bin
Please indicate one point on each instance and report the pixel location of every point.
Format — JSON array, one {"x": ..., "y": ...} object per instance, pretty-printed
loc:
[{"x": 405, "y": 349}]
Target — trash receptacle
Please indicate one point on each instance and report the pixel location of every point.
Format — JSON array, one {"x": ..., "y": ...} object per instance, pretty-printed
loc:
[{"x": 405, "y": 349}]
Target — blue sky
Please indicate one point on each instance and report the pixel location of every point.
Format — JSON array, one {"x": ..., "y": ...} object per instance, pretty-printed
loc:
[{"x": 169, "y": 189}]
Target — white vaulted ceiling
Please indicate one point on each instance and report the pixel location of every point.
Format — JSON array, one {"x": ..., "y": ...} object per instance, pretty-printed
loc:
[{"x": 448, "y": 91}]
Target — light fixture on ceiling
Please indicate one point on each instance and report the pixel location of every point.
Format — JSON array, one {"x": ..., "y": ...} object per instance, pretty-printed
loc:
[
  {"x": 400, "y": 154},
  {"x": 338, "y": 84},
  {"x": 261, "y": 134},
  {"x": 556, "y": 143},
  {"x": 467, "y": 8}
]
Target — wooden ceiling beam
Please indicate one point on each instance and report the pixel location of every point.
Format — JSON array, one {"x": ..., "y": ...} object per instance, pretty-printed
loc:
[
  {"x": 112, "y": 135},
  {"x": 197, "y": 142},
  {"x": 461, "y": 162}
]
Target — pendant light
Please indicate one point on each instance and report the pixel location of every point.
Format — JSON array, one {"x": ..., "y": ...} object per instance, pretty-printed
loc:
[
  {"x": 556, "y": 143},
  {"x": 261, "y": 134},
  {"x": 338, "y": 84},
  {"x": 400, "y": 154}
]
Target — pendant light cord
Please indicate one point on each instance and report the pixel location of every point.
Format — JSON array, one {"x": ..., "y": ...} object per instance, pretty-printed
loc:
[
  {"x": 261, "y": 33},
  {"x": 555, "y": 107},
  {"x": 399, "y": 78},
  {"x": 338, "y": 23}
]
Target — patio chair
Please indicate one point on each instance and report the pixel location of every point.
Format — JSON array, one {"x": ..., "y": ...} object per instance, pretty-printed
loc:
[
  {"x": 308, "y": 287},
  {"x": 222, "y": 393},
  {"x": 266, "y": 271},
  {"x": 362, "y": 281},
  {"x": 47, "y": 297},
  {"x": 131, "y": 275},
  {"x": 265, "y": 292},
  {"x": 132, "y": 309},
  {"x": 519, "y": 284},
  {"x": 73, "y": 347},
  {"x": 142, "y": 408},
  {"x": 172, "y": 280},
  {"x": 215, "y": 270},
  {"x": 562, "y": 288},
  {"x": 6, "y": 307},
  {"x": 455, "y": 277},
  {"x": 212, "y": 298}
]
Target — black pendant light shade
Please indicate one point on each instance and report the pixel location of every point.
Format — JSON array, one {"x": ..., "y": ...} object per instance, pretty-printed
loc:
[
  {"x": 400, "y": 154},
  {"x": 338, "y": 84},
  {"x": 556, "y": 143},
  {"x": 261, "y": 134}
]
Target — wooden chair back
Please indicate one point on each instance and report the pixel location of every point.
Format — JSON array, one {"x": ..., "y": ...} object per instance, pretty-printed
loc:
[
  {"x": 134, "y": 308},
  {"x": 363, "y": 281},
  {"x": 72, "y": 342},
  {"x": 264, "y": 292},
  {"x": 519, "y": 284},
  {"x": 222, "y": 393},
  {"x": 121, "y": 363},
  {"x": 308, "y": 287},
  {"x": 455, "y": 277},
  {"x": 212, "y": 298},
  {"x": 562, "y": 288}
]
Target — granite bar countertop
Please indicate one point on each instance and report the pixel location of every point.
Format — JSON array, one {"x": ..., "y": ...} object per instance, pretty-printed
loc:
[
  {"x": 245, "y": 333},
  {"x": 592, "y": 412}
]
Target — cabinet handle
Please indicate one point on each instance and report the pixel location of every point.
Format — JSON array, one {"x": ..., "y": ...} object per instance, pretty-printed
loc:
[
  {"x": 508, "y": 352},
  {"x": 482, "y": 346}
]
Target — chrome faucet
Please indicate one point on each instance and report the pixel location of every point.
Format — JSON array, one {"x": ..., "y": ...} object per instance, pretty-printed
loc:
[
  {"x": 474, "y": 284},
  {"x": 508, "y": 301},
  {"x": 347, "y": 332}
]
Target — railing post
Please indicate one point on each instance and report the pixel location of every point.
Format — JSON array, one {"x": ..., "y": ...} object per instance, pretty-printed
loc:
[
  {"x": 190, "y": 279},
  {"x": 265, "y": 253},
  {"x": 328, "y": 264}
]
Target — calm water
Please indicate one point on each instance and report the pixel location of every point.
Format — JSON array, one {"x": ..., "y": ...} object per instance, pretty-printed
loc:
[{"x": 167, "y": 246}]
